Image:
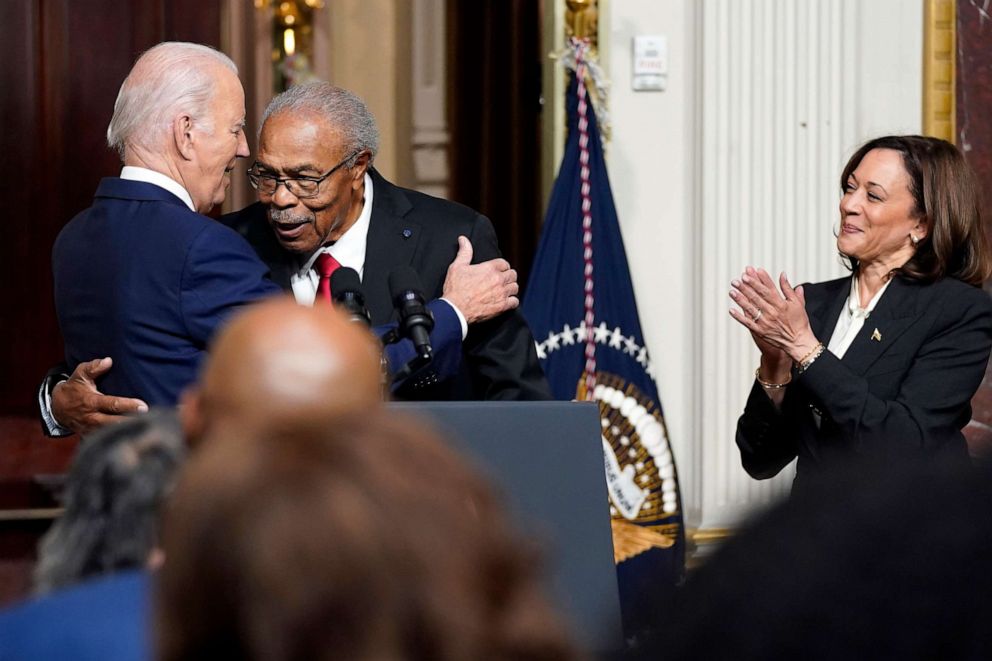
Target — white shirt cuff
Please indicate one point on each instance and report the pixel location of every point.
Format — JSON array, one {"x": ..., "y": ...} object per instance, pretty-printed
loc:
[
  {"x": 48, "y": 417},
  {"x": 461, "y": 317}
]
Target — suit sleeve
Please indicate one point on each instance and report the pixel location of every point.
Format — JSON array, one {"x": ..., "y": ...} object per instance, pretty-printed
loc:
[
  {"x": 933, "y": 400},
  {"x": 500, "y": 352},
  {"x": 767, "y": 437},
  {"x": 221, "y": 274},
  {"x": 446, "y": 343}
]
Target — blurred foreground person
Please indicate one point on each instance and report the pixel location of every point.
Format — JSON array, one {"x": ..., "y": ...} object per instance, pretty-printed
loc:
[
  {"x": 876, "y": 561},
  {"x": 326, "y": 366},
  {"x": 279, "y": 362},
  {"x": 884, "y": 362},
  {"x": 366, "y": 539},
  {"x": 113, "y": 496},
  {"x": 92, "y": 565}
]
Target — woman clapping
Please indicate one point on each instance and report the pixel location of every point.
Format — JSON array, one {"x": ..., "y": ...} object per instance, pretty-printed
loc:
[{"x": 884, "y": 361}]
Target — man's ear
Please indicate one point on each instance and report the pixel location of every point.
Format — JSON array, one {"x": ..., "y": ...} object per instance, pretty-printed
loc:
[
  {"x": 182, "y": 134},
  {"x": 191, "y": 415},
  {"x": 362, "y": 163}
]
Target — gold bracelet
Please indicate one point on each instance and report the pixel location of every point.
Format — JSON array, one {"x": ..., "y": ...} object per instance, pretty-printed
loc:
[
  {"x": 808, "y": 359},
  {"x": 769, "y": 386}
]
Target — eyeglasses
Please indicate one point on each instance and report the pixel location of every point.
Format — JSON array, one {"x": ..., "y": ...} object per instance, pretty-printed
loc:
[{"x": 301, "y": 187}]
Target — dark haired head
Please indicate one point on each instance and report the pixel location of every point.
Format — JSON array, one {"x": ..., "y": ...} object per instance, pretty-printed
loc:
[
  {"x": 112, "y": 501},
  {"x": 946, "y": 197}
]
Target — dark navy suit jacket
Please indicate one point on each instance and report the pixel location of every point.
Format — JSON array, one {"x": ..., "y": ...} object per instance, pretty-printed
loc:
[
  {"x": 143, "y": 279},
  {"x": 104, "y": 619},
  {"x": 907, "y": 390}
]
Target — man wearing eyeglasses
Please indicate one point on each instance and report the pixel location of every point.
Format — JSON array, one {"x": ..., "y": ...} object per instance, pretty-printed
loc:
[{"x": 320, "y": 199}]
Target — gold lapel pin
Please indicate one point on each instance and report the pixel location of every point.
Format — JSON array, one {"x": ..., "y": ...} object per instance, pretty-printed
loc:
[{"x": 876, "y": 336}]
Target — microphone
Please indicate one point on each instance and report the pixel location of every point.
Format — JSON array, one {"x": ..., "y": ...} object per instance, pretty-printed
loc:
[
  {"x": 416, "y": 321},
  {"x": 346, "y": 290}
]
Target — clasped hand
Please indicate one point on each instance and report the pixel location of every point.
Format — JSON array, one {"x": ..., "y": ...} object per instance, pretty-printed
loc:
[
  {"x": 480, "y": 291},
  {"x": 777, "y": 319}
]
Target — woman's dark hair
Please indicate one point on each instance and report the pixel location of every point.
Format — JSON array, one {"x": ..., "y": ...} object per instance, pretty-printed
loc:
[
  {"x": 113, "y": 497},
  {"x": 364, "y": 539},
  {"x": 945, "y": 192}
]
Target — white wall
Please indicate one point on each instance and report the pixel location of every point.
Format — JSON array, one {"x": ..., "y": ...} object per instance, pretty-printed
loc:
[
  {"x": 734, "y": 163},
  {"x": 651, "y": 160}
]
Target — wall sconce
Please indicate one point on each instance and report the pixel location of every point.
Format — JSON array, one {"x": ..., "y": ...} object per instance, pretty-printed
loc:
[{"x": 292, "y": 40}]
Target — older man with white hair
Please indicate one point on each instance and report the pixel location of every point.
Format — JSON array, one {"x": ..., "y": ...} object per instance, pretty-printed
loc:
[{"x": 142, "y": 276}]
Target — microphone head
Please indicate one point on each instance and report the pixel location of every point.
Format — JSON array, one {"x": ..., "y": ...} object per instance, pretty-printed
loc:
[
  {"x": 343, "y": 280},
  {"x": 416, "y": 321},
  {"x": 402, "y": 280}
]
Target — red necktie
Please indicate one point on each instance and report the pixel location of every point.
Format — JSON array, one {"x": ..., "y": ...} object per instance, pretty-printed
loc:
[{"x": 325, "y": 266}]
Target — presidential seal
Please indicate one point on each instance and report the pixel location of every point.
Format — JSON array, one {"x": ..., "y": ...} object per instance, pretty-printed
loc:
[{"x": 640, "y": 470}]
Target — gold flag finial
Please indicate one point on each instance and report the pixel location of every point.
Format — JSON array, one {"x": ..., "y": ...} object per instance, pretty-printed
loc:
[{"x": 582, "y": 20}]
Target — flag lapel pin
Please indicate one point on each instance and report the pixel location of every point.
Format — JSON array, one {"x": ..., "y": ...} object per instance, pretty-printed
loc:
[{"x": 876, "y": 336}]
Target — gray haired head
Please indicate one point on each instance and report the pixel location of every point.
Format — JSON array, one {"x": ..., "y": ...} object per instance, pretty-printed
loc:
[
  {"x": 167, "y": 79},
  {"x": 343, "y": 110},
  {"x": 112, "y": 499}
]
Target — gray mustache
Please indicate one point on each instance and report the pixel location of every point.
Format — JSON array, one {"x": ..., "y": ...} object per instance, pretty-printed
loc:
[{"x": 287, "y": 217}]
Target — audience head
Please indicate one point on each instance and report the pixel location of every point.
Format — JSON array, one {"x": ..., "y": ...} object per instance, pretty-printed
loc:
[
  {"x": 279, "y": 361},
  {"x": 365, "y": 539},
  {"x": 181, "y": 111},
  {"x": 112, "y": 499},
  {"x": 314, "y": 132},
  {"x": 880, "y": 560},
  {"x": 942, "y": 209}
]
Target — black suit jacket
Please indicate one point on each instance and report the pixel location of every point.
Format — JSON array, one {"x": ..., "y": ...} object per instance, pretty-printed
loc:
[
  {"x": 410, "y": 228},
  {"x": 909, "y": 391}
]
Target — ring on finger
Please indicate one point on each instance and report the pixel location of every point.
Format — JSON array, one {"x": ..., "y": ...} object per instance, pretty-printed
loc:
[{"x": 757, "y": 315}]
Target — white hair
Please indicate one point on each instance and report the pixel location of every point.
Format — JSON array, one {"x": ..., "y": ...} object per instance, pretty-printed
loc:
[
  {"x": 167, "y": 79},
  {"x": 345, "y": 111}
]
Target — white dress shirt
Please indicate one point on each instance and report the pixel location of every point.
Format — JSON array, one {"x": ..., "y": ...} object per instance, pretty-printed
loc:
[
  {"x": 852, "y": 319},
  {"x": 349, "y": 251},
  {"x": 135, "y": 173}
]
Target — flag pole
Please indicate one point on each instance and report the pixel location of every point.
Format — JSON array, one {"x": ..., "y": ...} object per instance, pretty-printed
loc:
[{"x": 581, "y": 306}]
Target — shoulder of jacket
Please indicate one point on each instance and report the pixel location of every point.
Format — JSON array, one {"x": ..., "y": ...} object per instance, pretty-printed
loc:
[
  {"x": 214, "y": 236},
  {"x": 440, "y": 210},
  {"x": 955, "y": 293}
]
